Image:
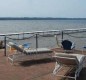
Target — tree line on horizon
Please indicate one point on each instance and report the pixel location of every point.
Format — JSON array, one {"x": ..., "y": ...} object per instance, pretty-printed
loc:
[{"x": 39, "y": 18}]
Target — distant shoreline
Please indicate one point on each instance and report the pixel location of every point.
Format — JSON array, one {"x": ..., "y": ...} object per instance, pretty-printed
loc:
[{"x": 36, "y": 18}]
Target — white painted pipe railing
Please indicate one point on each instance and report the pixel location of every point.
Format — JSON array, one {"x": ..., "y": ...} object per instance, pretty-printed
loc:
[{"x": 49, "y": 32}]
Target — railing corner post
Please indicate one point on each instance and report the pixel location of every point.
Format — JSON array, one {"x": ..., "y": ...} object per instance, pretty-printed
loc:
[
  {"x": 36, "y": 40},
  {"x": 5, "y": 46},
  {"x": 62, "y": 35}
]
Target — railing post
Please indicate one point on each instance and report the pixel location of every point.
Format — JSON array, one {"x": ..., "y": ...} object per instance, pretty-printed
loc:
[
  {"x": 62, "y": 35},
  {"x": 5, "y": 46},
  {"x": 36, "y": 40}
]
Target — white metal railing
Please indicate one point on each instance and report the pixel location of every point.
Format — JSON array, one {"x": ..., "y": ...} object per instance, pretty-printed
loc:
[{"x": 49, "y": 32}]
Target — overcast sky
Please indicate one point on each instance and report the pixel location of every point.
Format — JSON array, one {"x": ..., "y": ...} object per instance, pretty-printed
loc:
[{"x": 43, "y": 8}]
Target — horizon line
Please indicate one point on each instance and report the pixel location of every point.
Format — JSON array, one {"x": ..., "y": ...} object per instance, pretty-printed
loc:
[{"x": 39, "y": 18}]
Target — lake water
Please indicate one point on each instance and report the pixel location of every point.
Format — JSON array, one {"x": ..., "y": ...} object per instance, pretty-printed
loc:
[
  {"x": 12, "y": 26},
  {"x": 16, "y": 26}
]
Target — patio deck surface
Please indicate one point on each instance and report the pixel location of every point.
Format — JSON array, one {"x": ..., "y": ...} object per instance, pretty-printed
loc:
[{"x": 31, "y": 69}]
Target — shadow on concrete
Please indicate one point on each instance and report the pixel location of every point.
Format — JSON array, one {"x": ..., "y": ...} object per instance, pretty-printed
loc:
[{"x": 36, "y": 62}]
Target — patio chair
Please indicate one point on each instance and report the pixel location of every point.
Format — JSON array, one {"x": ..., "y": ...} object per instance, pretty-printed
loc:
[
  {"x": 75, "y": 62},
  {"x": 68, "y": 46},
  {"x": 23, "y": 53}
]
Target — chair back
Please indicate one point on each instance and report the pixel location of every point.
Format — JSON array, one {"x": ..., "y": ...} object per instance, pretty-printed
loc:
[
  {"x": 15, "y": 46},
  {"x": 12, "y": 50},
  {"x": 66, "y": 44},
  {"x": 66, "y": 59}
]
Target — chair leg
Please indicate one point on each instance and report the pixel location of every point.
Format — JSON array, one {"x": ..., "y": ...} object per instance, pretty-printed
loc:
[
  {"x": 75, "y": 76},
  {"x": 57, "y": 68}
]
